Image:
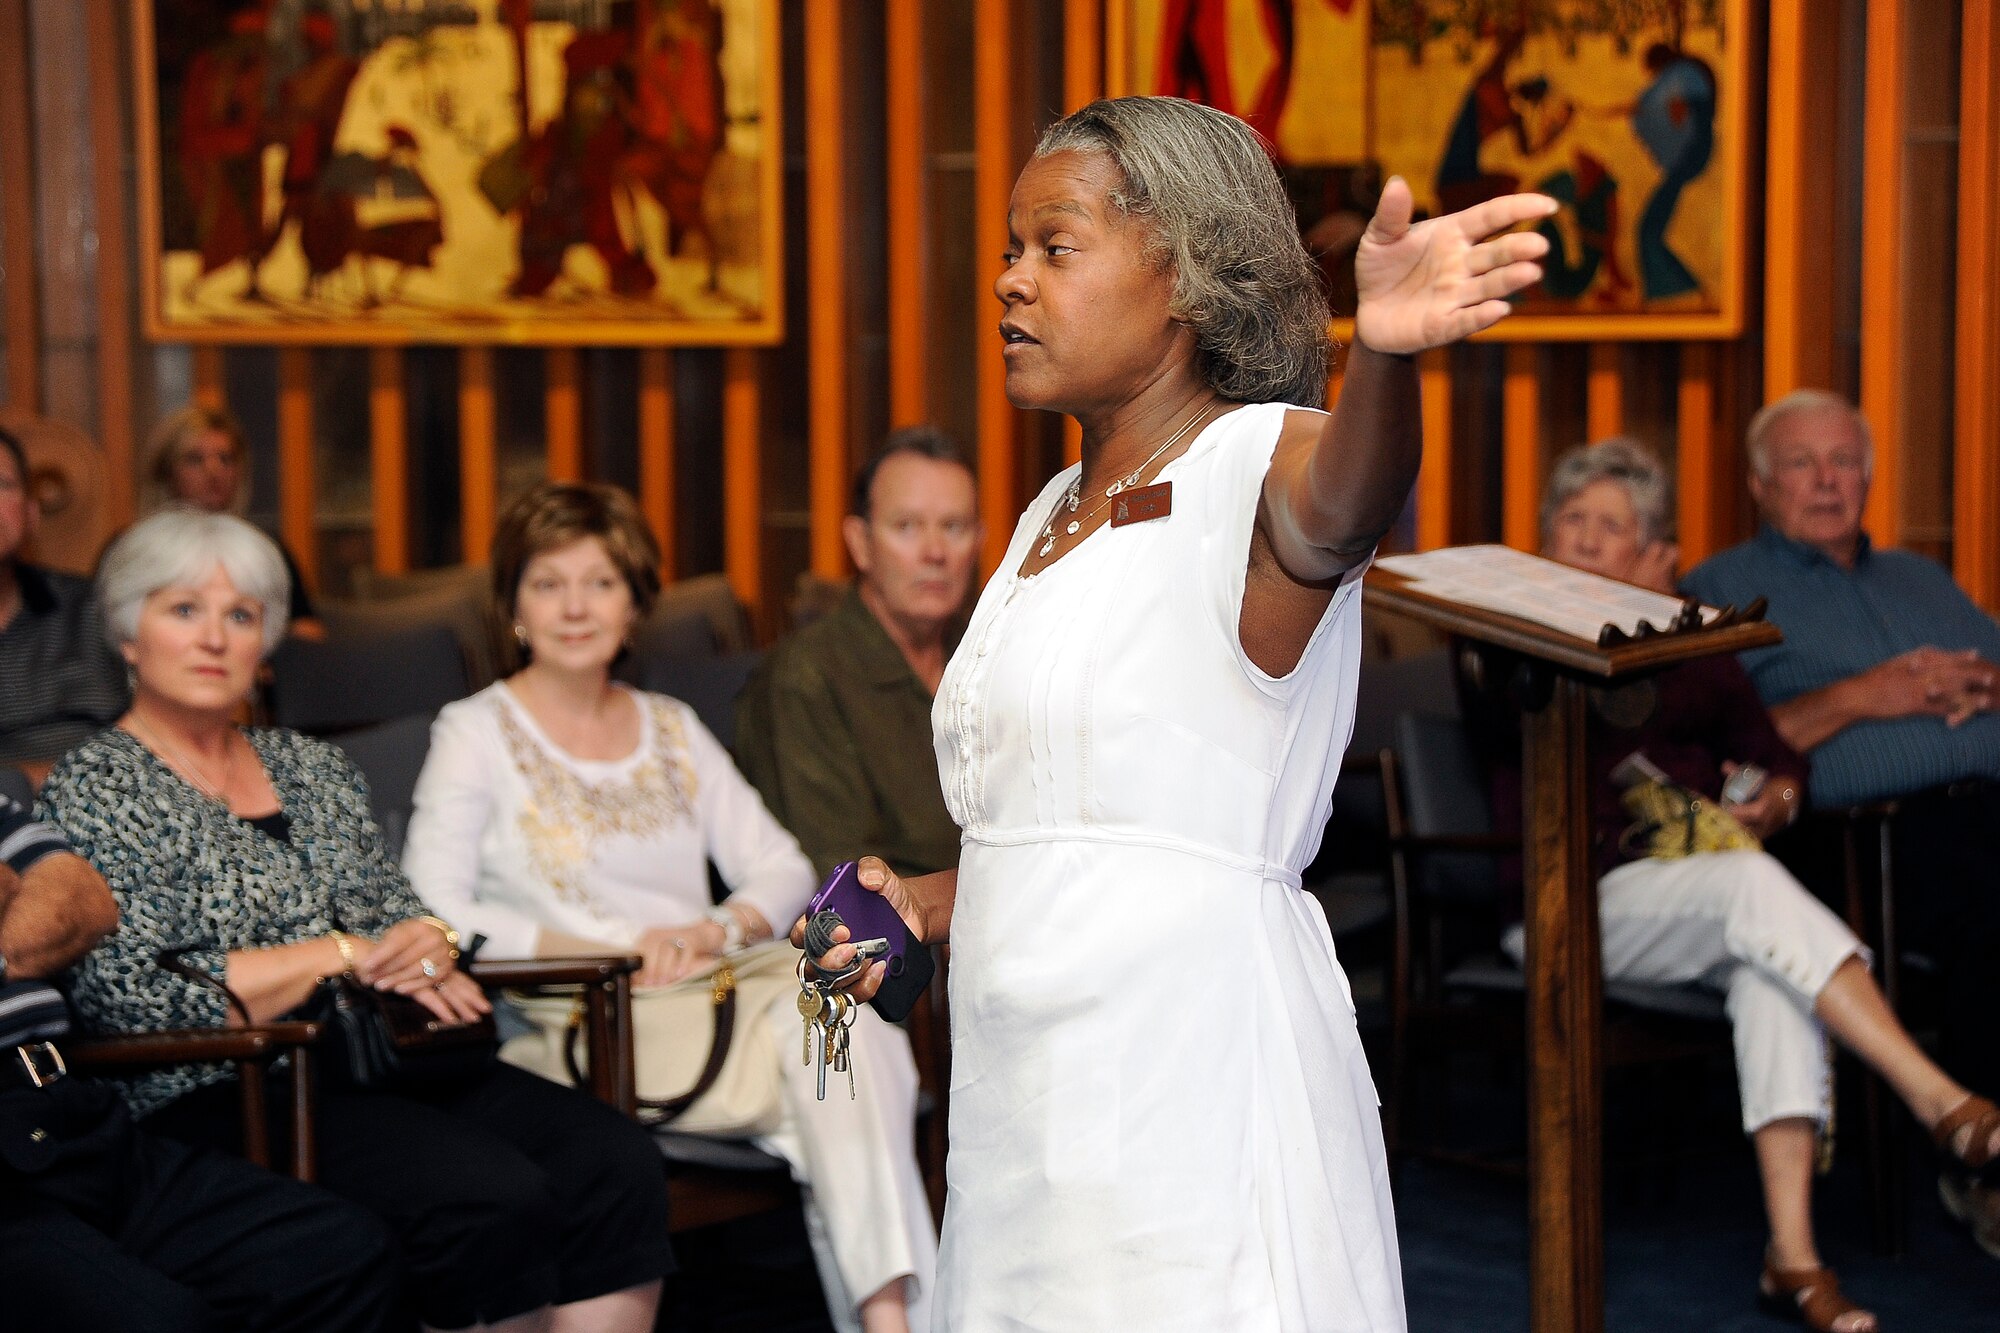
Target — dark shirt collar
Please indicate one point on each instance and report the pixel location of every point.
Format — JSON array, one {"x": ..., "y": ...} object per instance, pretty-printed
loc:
[
  {"x": 36, "y": 594},
  {"x": 872, "y": 655},
  {"x": 1773, "y": 540}
]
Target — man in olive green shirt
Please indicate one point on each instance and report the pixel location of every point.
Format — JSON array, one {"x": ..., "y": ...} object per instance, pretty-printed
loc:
[{"x": 835, "y": 728}]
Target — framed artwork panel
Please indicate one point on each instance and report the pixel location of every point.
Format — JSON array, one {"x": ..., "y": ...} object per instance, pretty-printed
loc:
[
  {"x": 1629, "y": 112},
  {"x": 460, "y": 171}
]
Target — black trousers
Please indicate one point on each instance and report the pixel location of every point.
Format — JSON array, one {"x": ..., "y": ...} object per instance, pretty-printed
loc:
[
  {"x": 1946, "y": 857},
  {"x": 142, "y": 1234},
  {"x": 506, "y": 1193}
]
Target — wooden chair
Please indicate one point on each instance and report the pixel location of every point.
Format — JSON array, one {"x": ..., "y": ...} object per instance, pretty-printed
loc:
[
  {"x": 1445, "y": 879},
  {"x": 253, "y": 1050}
]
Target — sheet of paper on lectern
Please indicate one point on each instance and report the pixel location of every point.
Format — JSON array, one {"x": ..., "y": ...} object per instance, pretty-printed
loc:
[{"x": 1514, "y": 583}]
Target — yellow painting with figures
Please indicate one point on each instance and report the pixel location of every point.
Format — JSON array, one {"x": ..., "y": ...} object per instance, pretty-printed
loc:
[
  {"x": 1628, "y": 112},
  {"x": 554, "y": 171}
]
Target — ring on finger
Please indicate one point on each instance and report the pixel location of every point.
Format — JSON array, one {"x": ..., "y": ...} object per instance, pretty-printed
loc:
[
  {"x": 680, "y": 943},
  {"x": 429, "y": 968}
]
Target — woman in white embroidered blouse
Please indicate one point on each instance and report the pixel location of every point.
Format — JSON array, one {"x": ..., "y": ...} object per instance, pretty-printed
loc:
[{"x": 562, "y": 813}]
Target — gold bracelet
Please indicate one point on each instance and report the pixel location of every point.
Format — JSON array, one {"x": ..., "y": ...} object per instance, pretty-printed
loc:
[
  {"x": 346, "y": 947},
  {"x": 443, "y": 927}
]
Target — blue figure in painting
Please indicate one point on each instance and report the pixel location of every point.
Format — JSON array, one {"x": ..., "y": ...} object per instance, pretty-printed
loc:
[{"x": 1675, "y": 120}]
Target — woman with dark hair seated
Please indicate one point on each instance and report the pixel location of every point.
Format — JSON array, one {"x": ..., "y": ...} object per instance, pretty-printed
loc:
[
  {"x": 1732, "y": 919},
  {"x": 560, "y": 812},
  {"x": 518, "y": 1204}
]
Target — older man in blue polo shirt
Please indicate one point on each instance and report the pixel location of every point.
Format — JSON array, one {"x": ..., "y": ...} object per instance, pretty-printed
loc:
[{"x": 1888, "y": 681}]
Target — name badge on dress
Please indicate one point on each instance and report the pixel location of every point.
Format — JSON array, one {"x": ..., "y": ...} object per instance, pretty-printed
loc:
[{"x": 1144, "y": 504}]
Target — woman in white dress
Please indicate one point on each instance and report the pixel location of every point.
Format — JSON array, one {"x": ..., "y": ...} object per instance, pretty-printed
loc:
[
  {"x": 1161, "y": 1117},
  {"x": 561, "y": 813}
]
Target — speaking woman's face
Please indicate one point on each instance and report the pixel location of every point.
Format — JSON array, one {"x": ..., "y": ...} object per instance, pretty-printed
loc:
[
  {"x": 197, "y": 645},
  {"x": 1086, "y": 324}
]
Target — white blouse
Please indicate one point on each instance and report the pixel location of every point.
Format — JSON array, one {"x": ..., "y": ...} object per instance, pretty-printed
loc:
[{"x": 511, "y": 835}]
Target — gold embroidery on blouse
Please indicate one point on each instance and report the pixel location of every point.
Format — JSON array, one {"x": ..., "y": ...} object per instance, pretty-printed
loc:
[{"x": 565, "y": 815}]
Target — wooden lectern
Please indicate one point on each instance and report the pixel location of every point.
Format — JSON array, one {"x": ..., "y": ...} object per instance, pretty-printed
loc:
[{"x": 1564, "y": 974}]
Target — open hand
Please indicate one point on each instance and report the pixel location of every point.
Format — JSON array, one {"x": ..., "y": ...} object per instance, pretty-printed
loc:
[{"x": 1429, "y": 283}]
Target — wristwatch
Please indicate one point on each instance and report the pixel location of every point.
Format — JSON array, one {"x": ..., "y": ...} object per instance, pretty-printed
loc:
[{"x": 732, "y": 928}]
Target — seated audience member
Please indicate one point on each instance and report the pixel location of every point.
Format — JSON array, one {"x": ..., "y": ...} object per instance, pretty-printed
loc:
[
  {"x": 835, "y": 729},
  {"x": 253, "y": 852},
  {"x": 108, "y": 1229},
  {"x": 59, "y": 680},
  {"x": 1735, "y": 920},
  {"x": 561, "y": 812},
  {"x": 1886, "y": 682},
  {"x": 201, "y": 459}
]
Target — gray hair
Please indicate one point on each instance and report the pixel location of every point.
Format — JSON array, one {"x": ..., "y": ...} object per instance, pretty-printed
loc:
[
  {"x": 1623, "y": 460},
  {"x": 181, "y": 547},
  {"x": 1757, "y": 440},
  {"x": 1243, "y": 282}
]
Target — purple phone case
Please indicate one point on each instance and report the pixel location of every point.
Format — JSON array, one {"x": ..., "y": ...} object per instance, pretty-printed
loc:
[{"x": 868, "y": 916}]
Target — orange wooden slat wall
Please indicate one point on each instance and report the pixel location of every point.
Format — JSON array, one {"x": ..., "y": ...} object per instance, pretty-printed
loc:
[
  {"x": 656, "y": 450},
  {"x": 1882, "y": 267},
  {"x": 1521, "y": 447},
  {"x": 562, "y": 413},
  {"x": 826, "y": 286},
  {"x": 993, "y": 182},
  {"x": 1434, "y": 477},
  {"x": 1798, "y": 207},
  {"x": 114, "y": 281},
  {"x": 298, "y": 482},
  {"x": 476, "y": 468},
  {"x": 743, "y": 475},
  {"x": 905, "y": 144},
  {"x": 1083, "y": 52},
  {"x": 389, "y": 459},
  {"x": 23, "y": 314},
  {"x": 1700, "y": 493},
  {"x": 1976, "y": 463}
]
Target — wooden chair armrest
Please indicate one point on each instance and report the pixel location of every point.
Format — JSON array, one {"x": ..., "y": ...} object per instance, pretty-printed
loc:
[
  {"x": 522, "y": 972},
  {"x": 138, "y": 1050}
]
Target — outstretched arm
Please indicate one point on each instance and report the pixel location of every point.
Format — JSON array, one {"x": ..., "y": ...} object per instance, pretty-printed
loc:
[{"x": 1333, "y": 492}]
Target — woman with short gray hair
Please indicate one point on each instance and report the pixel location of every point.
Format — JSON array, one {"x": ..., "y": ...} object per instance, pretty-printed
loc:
[
  {"x": 251, "y": 854},
  {"x": 1139, "y": 733}
]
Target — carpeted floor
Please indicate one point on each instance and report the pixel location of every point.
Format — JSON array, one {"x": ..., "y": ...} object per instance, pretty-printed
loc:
[{"x": 1683, "y": 1236}]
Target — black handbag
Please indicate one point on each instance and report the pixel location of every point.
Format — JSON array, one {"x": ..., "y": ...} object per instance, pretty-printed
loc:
[
  {"x": 377, "y": 1040},
  {"x": 384, "y": 1041}
]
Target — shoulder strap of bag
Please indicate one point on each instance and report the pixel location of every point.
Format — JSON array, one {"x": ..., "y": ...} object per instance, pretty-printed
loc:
[
  {"x": 171, "y": 960},
  {"x": 722, "y": 991}
]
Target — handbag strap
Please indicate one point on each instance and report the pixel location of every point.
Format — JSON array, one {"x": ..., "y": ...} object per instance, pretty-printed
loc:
[
  {"x": 171, "y": 960},
  {"x": 722, "y": 990}
]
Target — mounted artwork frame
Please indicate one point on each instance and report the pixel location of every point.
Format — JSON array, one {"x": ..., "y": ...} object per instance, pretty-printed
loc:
[
  {"x": 1631, "y": 112},
  {"x": 540, "y": 172}
]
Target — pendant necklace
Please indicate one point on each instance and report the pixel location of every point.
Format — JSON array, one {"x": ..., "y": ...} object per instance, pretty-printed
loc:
[
  {"x": 188, "y": 769},
  {"x": 1074, "y": 495}
]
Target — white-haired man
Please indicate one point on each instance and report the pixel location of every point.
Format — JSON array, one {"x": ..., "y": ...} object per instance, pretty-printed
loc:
[{"x": 1887, "y": 681}]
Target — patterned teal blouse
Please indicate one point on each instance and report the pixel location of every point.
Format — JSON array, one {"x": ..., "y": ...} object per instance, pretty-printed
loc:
[{"x": 190, "y": 875}]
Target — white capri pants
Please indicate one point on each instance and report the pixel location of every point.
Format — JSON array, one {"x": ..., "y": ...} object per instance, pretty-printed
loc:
[
  {"x": 1740, "y": 923},
  {"x": 866, "y": 1212}
]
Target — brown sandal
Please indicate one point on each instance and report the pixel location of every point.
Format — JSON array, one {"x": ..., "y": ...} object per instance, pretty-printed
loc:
[
  {"x": 1984, "y": 1117},
  {"x": 1809, "y": 1296}
]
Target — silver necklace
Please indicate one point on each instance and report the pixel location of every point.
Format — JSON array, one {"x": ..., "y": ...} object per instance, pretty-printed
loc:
[
  {"x": 1074, "y": 495},
  {"x": 188, "y": 769}
]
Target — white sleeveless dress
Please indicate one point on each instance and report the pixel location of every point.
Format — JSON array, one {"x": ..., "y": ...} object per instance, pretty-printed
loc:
[{"x": 1161, "y": 1117}]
